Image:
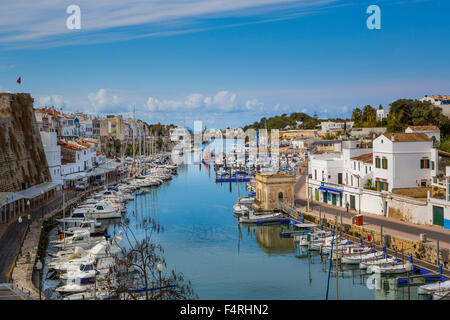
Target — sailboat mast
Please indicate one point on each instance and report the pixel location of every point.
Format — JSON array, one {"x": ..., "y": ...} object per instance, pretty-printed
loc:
[{"x": 134, "y": 152}]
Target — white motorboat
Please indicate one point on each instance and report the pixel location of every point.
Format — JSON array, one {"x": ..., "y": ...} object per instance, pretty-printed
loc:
[
  {"x": 347, "y": 251},
  {"x": 240, "y": 209},
  {"x": 81, "y": 238},
  {"x": 261, "y": 218},
  {"x": 383, "y": 261},
  {"x": 358, "y": 258},
  {"x": 305, "y": 239},
  {"x": 433, "y": 287},
  {"x": 103, "y": 211},
  {"x": 100, "y": 250},
  {"x": 390, "y": 269},
  {"x": 79, "y": 284},
  {"x": 95, "y": 228},
  {"x": 441, "y": 295},
  {"x": 246, "y": 201}
]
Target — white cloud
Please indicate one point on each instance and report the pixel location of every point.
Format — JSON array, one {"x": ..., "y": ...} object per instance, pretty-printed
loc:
[
  {"x": 52, "y": 100},
  {"x": 106, "y": 100},
  {"x": 24, "y": 21},
  {"x": 222, "y": 101}
]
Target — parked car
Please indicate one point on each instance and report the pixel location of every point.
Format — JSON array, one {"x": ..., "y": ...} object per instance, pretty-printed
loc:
[{"x": 81, "y": 185}]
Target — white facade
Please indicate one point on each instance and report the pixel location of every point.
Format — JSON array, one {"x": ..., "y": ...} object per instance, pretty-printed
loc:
[
  {"x": 400, "y": 162},
  {"x": 68, "y": 128},
  {"x": 85, "y": 128},
  {"x": 432, "y": 132},
  {"x": 330, "y": 126},
  {"x": 53, "y": 154},
  {"x": 382, "y": 114}
]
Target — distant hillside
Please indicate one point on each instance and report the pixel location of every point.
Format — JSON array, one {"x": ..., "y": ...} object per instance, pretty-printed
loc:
[{"x": 294, "y": 121}]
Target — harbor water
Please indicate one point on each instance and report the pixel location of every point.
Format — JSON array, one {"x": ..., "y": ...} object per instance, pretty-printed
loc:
[{"x": 203, "y": 240}]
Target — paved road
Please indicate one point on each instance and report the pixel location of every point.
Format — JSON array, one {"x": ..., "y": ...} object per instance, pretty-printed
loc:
[
  {"x": 398, "y": 226},
  {"x": 10, "y": 241}
]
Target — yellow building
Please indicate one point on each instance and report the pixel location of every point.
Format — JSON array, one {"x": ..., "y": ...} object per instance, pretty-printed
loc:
[{"x": 271, "y": 189}]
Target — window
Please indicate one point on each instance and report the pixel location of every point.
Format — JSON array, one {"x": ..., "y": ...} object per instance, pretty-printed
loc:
[
  {"x": 425, "y": 164},
  {"x": 377, "y": 162},
  {"x": 354, "y": 165},
  {"x": 366, "y": 169},
  {"x": 384, "y": 163},
  {"x": 315, "y": 174},
  {"x": 432, "y": 165},
  {"x": 359, "y": 166}
]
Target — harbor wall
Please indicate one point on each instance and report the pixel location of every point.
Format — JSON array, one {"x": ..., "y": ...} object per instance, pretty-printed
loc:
[{"x": 22, "y": 157}]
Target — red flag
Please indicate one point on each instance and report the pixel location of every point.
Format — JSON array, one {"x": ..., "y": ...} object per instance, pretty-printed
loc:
[{"x": 19, "y": 81}]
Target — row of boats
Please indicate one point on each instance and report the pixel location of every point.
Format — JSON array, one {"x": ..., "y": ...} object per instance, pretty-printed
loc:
[
  {"x": 348, "y": 253},
  {"x": 83, "y": 252}
]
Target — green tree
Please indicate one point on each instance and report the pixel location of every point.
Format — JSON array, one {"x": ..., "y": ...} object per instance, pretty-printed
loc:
[{"x": 357, "y": 116}]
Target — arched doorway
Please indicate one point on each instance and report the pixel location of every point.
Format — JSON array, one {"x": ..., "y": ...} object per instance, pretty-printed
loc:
[{"x": 280, "y": 197}]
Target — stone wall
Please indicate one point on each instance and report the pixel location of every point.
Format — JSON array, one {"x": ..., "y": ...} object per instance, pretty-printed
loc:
[
  {"x": 409, "y": 211},
  {"x": 22, "y": 158}
]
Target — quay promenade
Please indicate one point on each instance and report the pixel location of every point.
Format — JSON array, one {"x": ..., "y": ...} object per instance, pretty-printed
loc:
[{"x": 19, "y": 241}]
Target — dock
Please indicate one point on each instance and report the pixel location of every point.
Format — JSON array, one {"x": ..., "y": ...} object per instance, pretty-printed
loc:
[{"x": 232, "y": 179}]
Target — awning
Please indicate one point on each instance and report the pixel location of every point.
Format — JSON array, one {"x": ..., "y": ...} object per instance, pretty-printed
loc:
[
  {"x": 9, "y": 197},
  {"x": 330, "y": 190},
  {"x": 74, "y": 176},
  {"x": 38, "y": 189}
]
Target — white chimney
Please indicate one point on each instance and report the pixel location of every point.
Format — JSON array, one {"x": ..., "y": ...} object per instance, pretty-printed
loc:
[{"x": 393, "y": 138}]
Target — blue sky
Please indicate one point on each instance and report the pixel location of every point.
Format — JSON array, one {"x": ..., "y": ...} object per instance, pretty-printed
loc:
[{"x": 227, "y": 63}]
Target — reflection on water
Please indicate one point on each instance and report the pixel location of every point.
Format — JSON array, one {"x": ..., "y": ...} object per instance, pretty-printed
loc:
[
  {"x": 223, "y": 260},
  {"x": 270, "y": 240}
]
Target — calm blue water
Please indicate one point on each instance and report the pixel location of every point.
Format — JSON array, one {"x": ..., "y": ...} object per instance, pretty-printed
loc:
[{"x": 202, "y": 239}]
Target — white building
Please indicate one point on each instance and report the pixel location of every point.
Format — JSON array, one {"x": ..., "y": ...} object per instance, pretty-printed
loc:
[
  {"x": 68, "y": 128},
  {"x": 83, "y": 127},
  {"x": 439, "y": 207},
  {"x": 382, "y": 114},
  {"x": 432, "y": 132},
  {"x": 365, "y": 178},
  {"x": 334, "y": 126},
  {"x": 53, "y": 154},
  {"x": 403, "y": 160}
]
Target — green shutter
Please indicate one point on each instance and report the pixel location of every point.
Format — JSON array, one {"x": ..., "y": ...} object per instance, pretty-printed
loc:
[
  {"x": 421, "y": 164},
  {"x": 428, "y": 164},
  {"x": 438, "y": 216}
]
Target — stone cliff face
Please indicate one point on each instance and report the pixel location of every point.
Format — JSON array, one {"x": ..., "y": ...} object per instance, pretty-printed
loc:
[{"x": 22, "y": 158}]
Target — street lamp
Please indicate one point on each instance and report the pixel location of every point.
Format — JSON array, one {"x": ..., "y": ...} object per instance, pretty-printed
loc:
[
  {"x": 160, "y": 267},
  {"x": 39, "y": 268}
]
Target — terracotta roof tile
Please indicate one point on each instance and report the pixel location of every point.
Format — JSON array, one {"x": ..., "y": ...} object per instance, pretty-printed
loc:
[
  {"x": 424, "y": 128},
  {"x": 366, "y": 158},
  {"x": 406, "y": 137}
]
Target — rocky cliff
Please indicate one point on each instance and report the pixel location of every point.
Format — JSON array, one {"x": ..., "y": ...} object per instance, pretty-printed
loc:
[{"x": 22, "y": 158}]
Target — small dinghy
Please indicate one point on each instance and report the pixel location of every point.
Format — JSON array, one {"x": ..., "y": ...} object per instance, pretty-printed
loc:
[
  {"x": 261, "y": 218},
  {"x": 358, "y": 258},
  {"x": 379, "y": 262},
  {"x": 390, "y": 269},
  {"x": 438, "y": 286}
]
